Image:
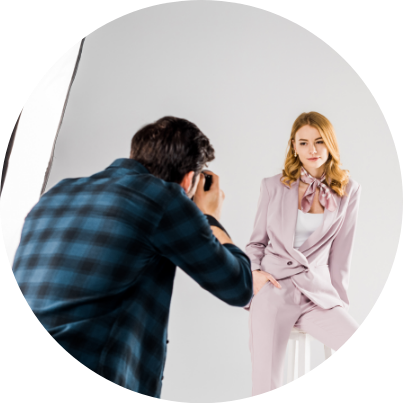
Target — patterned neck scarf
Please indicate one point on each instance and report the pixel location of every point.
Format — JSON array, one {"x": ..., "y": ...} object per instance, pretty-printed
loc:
[{"x": 326, "y": 198}]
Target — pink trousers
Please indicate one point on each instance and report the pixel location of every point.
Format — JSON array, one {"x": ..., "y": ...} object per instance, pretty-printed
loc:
[{"x": 273, "y": 314}]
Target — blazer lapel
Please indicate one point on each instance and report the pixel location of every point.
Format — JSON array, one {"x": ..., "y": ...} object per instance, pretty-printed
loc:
[
  {"x": 289, "y": 213},
  {"x": 317, "y": 235}
]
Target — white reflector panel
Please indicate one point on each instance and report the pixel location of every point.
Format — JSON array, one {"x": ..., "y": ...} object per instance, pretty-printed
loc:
[{"x": 33, "y": 147}]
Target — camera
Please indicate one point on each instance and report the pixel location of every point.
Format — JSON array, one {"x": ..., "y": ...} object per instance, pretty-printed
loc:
[{"x": 207, "y": 183}]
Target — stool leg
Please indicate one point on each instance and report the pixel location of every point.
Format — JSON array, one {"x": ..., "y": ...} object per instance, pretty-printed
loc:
[
  {"x": 328, "y": 352},
  {"x": 291, "y": 367},
  {"x": 304, "y": 353}
]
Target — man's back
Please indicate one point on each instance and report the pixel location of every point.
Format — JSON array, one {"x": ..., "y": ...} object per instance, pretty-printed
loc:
[{"x": 97, "y": 261}]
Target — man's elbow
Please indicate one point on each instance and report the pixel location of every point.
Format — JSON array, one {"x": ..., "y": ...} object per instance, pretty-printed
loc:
[
  {"x": 244, "y": 295},
  {"x": 244, "y": 299},
  {"x": 239, "y": 288},
  {"x": 248, "y": 280}
]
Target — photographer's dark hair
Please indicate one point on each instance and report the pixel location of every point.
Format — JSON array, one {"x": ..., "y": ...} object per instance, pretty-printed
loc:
[{"x": 171, "y": 147}]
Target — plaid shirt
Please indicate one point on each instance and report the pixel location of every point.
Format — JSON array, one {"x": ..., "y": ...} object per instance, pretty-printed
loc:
[{"x": 97, "y": 261}]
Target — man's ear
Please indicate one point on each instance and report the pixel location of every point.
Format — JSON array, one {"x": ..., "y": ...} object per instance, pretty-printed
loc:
[{"x": 187, "y": 181}]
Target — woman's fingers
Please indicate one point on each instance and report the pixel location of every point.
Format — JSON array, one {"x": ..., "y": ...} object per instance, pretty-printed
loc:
[
  {"x": 273, "y": 280},
  {"x": 260, "y": 278}
]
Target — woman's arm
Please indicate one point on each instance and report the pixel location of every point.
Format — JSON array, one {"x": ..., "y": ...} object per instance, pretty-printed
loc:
[
  {"x": 341, "y": 250},
  {"x": 259, "y": 238}
]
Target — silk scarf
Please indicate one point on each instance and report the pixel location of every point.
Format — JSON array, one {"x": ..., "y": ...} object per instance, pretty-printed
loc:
[{"x": 326, "y": 198}]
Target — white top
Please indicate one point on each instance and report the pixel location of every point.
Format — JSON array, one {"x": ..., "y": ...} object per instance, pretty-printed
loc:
[{"x": 307, "y": 223}]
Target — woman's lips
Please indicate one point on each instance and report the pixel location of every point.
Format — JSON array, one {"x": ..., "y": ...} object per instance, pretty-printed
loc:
[{"x": 313, "y": 159}]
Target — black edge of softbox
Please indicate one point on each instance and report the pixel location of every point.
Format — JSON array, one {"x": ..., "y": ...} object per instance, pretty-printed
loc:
[{"x": 8, "y": 153}]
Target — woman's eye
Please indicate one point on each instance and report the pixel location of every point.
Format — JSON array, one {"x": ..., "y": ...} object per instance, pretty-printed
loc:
[{"x": 318, "y": 142}]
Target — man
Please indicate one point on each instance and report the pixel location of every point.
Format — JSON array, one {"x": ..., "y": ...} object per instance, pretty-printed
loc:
[{"x": 98, "y": 255}]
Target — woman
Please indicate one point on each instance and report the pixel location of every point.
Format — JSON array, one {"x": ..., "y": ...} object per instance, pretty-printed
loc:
[{"x": 300, "y": 250}]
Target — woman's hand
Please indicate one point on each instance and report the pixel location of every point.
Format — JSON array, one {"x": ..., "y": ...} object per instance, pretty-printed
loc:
[{"x": 260, "y": 278}]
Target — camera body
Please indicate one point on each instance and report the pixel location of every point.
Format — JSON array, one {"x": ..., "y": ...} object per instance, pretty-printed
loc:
[{"x": 207, "y": 183}]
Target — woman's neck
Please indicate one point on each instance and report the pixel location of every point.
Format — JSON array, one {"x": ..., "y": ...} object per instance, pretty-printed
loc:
[{"x": 315, "y": 172}]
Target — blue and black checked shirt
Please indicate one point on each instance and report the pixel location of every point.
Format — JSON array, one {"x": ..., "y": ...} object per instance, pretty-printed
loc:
[{"x": 97, "y": 261}]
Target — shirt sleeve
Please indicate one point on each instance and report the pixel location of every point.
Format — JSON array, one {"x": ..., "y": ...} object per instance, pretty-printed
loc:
[
  {"x": 259, "y": 238},
  {"x": 342, "y": 247},
  {"x": 184, "y": 236}
]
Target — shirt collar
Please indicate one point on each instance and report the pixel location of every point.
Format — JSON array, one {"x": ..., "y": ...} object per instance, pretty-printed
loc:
[{"x": 131, "y": 164}]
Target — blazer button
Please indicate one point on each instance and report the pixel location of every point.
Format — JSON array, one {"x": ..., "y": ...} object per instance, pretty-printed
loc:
[
  {"x": 162, "y": 378},
  {"x": 167, "y": 341},
  {"x": 289, "y": 263}
]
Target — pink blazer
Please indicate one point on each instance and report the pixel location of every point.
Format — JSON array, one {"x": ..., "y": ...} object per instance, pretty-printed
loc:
[{"x": 321, "y": 266}]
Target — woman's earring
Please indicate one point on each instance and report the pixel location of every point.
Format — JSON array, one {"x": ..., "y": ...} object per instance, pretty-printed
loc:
[{"x": 295, "y": 153}]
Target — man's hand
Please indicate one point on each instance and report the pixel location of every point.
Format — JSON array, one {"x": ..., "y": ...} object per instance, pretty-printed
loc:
[
  {"x": 260, "y": 278},
  {"x": 209, "y": 202}
]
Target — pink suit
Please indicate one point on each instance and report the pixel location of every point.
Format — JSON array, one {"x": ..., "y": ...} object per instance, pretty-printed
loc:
[{"x": 314, "y": 278}]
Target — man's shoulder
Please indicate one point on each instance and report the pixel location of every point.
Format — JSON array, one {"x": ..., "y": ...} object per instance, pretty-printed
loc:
[
  {"x": 135, "y": 194},
  {"x": 156, "y": 188},
  {"x": 137, "y": 182}
]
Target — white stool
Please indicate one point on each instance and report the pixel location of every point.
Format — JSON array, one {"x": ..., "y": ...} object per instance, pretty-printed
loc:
[{"x": 299, "y": 354}]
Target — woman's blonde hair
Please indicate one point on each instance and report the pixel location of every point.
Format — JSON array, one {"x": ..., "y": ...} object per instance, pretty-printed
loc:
[{"x": 336, "y": 177}]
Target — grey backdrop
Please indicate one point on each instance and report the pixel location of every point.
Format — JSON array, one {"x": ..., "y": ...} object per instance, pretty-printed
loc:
[{"x": 242, "y": 75}]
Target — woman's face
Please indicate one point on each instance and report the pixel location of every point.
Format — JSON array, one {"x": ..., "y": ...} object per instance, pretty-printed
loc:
[{"x": 310, "y": 147}]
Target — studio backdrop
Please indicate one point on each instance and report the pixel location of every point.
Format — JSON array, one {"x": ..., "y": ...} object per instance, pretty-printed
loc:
[{"x": 242, "y": 75}]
